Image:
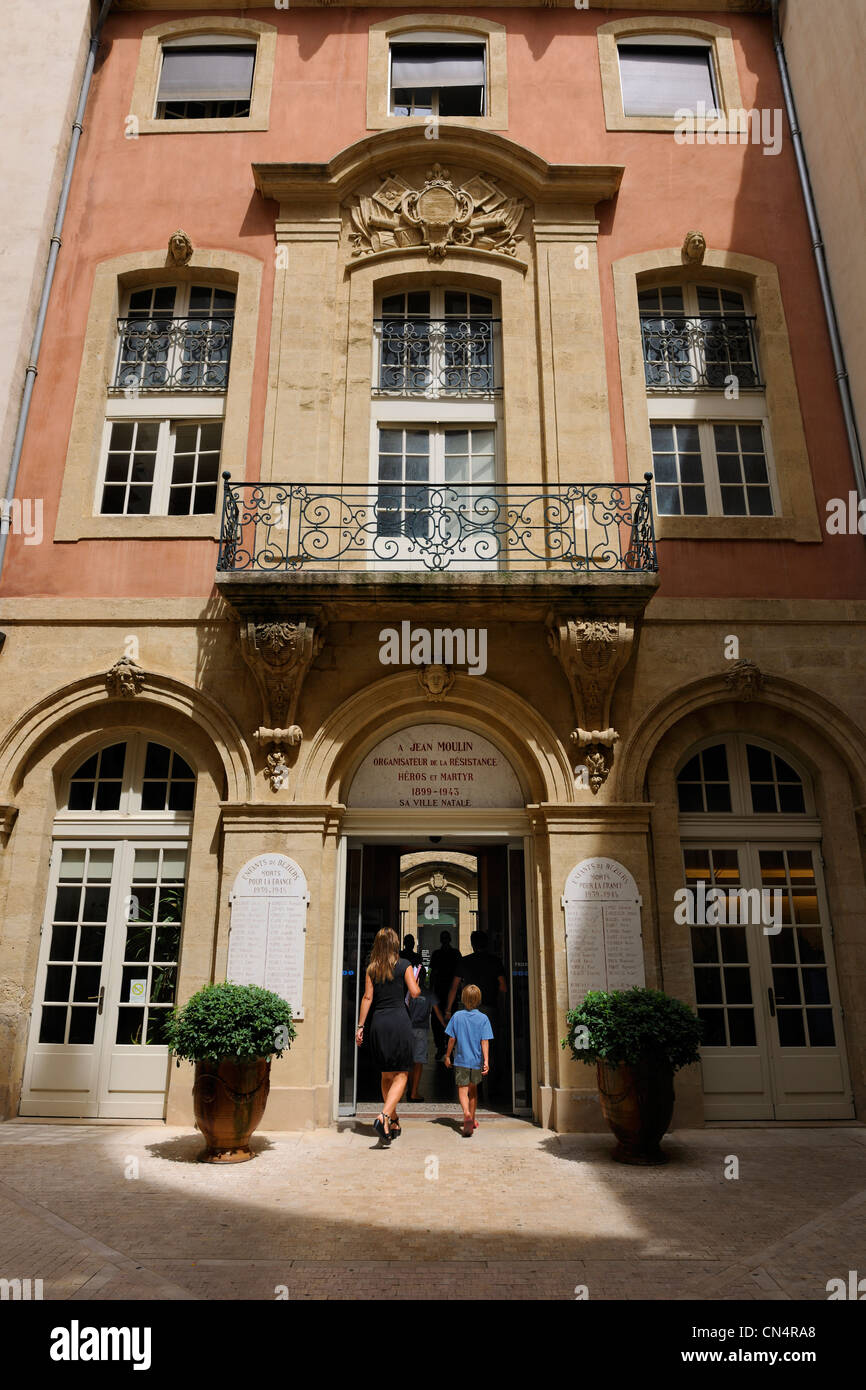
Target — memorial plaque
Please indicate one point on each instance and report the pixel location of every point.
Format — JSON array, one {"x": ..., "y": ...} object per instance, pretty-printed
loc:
[
  {"x": 435, "y": 766},
  {"x": 603, "y": 944},
  {"x": 268, "y": 928}
]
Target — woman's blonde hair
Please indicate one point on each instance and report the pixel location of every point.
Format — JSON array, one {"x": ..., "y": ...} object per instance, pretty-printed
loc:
[{"x": 384, "y": 955}]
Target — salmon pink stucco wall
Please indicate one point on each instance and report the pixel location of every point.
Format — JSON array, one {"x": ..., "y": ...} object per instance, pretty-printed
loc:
[{"x": 130, "y": 194}]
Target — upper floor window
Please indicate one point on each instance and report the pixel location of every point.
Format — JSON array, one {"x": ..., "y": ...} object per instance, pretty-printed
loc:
[
  {"x": 437, "y": 75},
  {"x": 707, "y": 413},
  {"x": 698, "y": 337},
  {"x": 436, "y": 343},
  {"x": 175, "y": 338},
  {"x": 661, "y": 74},
  {"x": 205, "y": 76}
]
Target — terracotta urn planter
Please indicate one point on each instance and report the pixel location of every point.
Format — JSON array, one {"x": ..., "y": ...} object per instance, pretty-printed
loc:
[
  {"x": 229, "y": 1097},
  {"x": 637, "y": 1102}
]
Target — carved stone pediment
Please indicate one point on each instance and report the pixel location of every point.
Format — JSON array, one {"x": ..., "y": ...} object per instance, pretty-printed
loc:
[
  {"x": 592, "y": 652},
  {"x": 440, "y": 213}
]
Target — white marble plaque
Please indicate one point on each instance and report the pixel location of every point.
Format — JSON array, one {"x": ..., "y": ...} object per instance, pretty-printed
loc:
[
  {"x": 603, "y": 944},
  {"x": 435, "y": 766},
  {"x": 268, "y": 928}
]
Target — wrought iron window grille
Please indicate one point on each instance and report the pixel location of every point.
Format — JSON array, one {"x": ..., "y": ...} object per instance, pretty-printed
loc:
[
  {"x": 702, "y": 353},
  {"x": 173, "y": 354},
  {"x": 420, "y": 356}
]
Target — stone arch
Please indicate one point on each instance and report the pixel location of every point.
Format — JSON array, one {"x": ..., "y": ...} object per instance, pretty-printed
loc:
[
  {"x": 810, "y": 722},
  {"x": 77, "y": 716},
  {"x": 539, "y": 760}
]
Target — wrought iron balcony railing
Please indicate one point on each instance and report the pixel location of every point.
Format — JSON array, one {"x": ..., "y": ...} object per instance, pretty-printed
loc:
[
  {"x": 700, "y": 354},
  {"x": 169, "y": 354},
  {"x": 584, "y": 528},
  {"x": 436, "y": 357}
]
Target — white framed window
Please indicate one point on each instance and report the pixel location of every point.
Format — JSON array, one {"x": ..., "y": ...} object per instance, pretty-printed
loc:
[
  {"x": 132, "y": 776},
  {"x": 437, "y": 74},
  {"x": 175, "y": 338},
  {"x": 159, "y": 467},
  {"x": 436, "y": 343},
  {"x": 420, "y": 469},
  {"x": 698, "y": 337},
  {"x": 709, "y": 431},
  {"x": 712, "y": 468},
  {"x": 205, "y": 76},
  {"x": 661, "y": 74}
]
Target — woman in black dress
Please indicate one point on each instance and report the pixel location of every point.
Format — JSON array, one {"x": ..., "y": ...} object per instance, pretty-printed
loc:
[{"x": 389, "y": 977}]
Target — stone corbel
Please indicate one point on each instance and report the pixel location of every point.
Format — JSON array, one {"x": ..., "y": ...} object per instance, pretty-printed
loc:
[
  {"x": 279, "y": 654},
  {"x": 592, "y": 653},
  {"x": 8, "y": 816}
]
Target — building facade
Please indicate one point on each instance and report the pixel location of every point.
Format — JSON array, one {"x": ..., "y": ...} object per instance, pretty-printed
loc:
[{"x": 522, "y": 578}]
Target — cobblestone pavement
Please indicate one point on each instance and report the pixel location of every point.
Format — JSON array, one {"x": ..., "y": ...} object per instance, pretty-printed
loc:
[{"x": 516, "y": 1212}]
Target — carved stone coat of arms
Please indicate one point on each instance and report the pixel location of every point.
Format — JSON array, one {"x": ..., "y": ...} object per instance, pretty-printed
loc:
[{"x": 437, "y": 215}]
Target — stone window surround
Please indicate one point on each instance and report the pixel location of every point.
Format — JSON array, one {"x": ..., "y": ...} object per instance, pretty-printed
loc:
[
  {"x": 491, "y": 34},
  {"x": 146, "y": 85},
  {"x": 799, "y": 519},
  {"x": 678, "y": 26},
  {"x": 112, "y": 280}
]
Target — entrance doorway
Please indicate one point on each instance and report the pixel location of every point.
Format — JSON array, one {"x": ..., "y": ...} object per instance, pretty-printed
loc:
[{"x": 422, "y": 890}]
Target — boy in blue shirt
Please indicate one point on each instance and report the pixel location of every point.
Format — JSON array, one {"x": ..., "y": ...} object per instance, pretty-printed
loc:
[{"x": 469, "y": 1033}]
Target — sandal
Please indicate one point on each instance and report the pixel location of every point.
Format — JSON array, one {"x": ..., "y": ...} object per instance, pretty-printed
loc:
[
  {"x": 382, "y": 1126},
  {"x": 395, "y": 1128}
]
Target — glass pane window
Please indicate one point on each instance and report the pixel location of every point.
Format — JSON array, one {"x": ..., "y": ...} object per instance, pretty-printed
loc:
[
  {"x": 704, "y": 783},
  {"x": 404, "y": 472},
  {"x": 205, "y": 80},
  {"x": 98, "y": 782},
  {"x": 169, "y": 781},
  {"x": 436, "y": 343},
  {"x": 720, "y": 956},
  {"x": 659, "y": 81},
  {"x": 744, "y": 482},
  {"x": 774, "y": 785},
  {"x": 145, "y": 341},
  {"x": 129, "y": 777},
  {"x": 195, "y": 468},
  {"x": 698, "y": 337},
  {"x": 130, "y": 468},
  {"x": 70, "y": 996},
  {"x": 801, "y": 988},
  {"x": 152, "y": 946},
  {"x": 439, "y": 79},
  {"x": 678, "y": 469}
]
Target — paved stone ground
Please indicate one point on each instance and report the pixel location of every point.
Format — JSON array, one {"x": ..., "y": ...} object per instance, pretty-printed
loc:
[{"x": 516, "y": 1212}]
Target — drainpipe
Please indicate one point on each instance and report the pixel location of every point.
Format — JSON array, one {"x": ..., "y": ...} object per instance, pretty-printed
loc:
[
  {"x": 48, "y": 280},
  {"x": 820, "y": 260}
]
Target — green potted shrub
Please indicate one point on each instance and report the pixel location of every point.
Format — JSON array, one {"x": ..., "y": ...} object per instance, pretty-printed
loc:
[
  {"x": 230, "y": 1032},
  {"x": 637, "y": 1038}
]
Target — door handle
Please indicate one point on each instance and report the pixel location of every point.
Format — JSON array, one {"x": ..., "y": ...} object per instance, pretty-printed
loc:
[
  {"x": 772, "y": 1001},
  {"x": 101, "y": 999}
]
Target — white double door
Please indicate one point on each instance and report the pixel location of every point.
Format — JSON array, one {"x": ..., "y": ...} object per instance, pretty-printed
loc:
[
  {"x": 106, "y": 979},
  {"x": 766, "y": 990}
]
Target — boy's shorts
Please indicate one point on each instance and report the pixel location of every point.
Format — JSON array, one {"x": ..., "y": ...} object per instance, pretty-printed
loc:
[
  {"x": 468, "y": 1076},
  {"x": 419, "y": 1045}
]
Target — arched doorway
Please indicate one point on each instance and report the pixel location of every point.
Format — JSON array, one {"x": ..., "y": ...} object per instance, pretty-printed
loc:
[
  {"x": 398, "y": 844},
  {"x": 756, "y": 910},
  {"x": 111, "y": 935}
]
